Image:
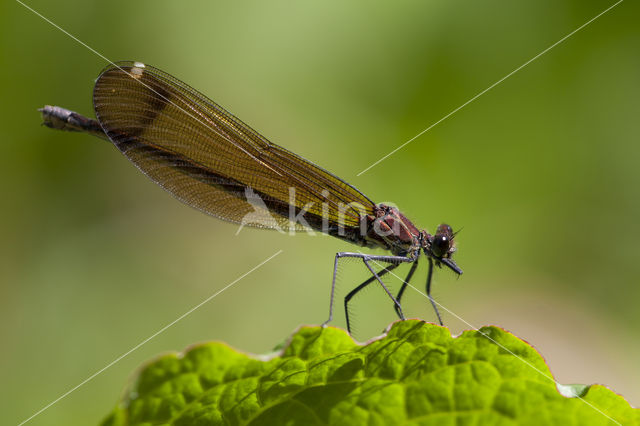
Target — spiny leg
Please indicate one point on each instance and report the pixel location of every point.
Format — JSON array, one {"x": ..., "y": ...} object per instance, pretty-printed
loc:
[
  {"x": 339, "y": 256},
  {"x": 404, "y": 286},
  {"x": 433, "y": 302},
  {"x": 333, "y": 289},
  {"x": 362, "y": 286},
  {"x": 388, "y": 259},
  {"x": 395, "y": 302}
]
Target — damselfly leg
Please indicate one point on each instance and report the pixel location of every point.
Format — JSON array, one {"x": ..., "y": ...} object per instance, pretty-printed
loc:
[{"x": 394, "y": 261}]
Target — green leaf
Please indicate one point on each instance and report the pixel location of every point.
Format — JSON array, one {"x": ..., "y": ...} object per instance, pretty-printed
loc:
[{"x": 417, "y": 374}]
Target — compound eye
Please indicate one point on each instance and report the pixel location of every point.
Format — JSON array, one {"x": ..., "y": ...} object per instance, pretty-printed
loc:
[
  {"x": 445, "y": 229},
  {"x": 440, "y": 245}
]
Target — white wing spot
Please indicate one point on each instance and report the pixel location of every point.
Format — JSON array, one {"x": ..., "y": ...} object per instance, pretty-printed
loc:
[{"x": 137, "y": 70}]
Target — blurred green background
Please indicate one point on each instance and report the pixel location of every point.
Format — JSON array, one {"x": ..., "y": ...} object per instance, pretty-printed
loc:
[{"x": 542, "y": 172}]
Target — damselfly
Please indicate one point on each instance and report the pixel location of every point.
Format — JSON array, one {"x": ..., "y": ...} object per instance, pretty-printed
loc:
[{"x": 210, "y": 160}]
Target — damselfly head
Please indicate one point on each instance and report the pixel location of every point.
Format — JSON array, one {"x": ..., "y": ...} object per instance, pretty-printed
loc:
[{"x": 442, "y": 244}]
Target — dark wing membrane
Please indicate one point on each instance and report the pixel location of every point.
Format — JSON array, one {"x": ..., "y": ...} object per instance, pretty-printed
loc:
[{"x": 211, "y": 160}]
